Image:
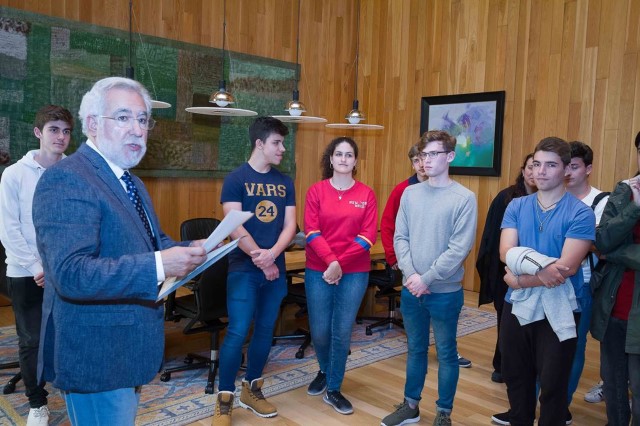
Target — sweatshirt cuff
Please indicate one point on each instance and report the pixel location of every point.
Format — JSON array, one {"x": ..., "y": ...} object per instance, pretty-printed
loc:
[
  {"x": 35, "y": 268},
  {"x": 330, "y": 258},
  {"x": 408, "y": 271},
  {"x": 428, "y": 277}
]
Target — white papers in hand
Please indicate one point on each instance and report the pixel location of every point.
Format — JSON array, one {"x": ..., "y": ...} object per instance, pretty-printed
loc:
[
  {"x": 172, "y": 284},
  {"x": 230, "y": 222}
]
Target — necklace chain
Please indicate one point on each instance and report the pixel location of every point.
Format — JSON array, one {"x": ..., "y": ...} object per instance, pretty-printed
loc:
[
  {"x": 545, "y": 208},
  {"x": 340, "y": 190},
  {"x": 542, "y": 221}
]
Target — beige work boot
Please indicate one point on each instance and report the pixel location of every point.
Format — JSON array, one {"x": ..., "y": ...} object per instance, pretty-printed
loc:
[
  {"x": 224, "y": 407},
  {"x": 252, "y": 399}
]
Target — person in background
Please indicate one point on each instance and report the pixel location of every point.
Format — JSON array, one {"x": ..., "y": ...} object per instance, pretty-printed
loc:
[
  {"x": 435, "y": 230},
  {"x": 25, "y": 277},
  {"x": 538, "y": 329},
  {"x": 577, "y": 183},
  {"x": 340, "y": 222},
  {"x": 256, "y": 281},
  {"x": 104, "y": 254},
  {"x": 616, "y": 294},
  {"x": 388, "y": 220},
  {"x": 488, "y": 264}
]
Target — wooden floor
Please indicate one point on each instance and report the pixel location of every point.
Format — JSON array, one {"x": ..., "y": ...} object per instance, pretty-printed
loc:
[{"x": 374, "y": 389}]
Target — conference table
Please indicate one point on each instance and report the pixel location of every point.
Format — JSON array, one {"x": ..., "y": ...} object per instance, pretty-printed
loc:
[{"x": 295, "y": 259}]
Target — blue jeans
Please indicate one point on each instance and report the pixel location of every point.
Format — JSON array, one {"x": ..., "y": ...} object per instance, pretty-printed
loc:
[
  {"x": 582, "y": 330},
  {"x": 116, "y": 407},
  {"x": 620, "y": 372},
  {"x": 442, "y": 311},
  {"x": 332, "y": 313},
  {"x": 250, "y": 298}
]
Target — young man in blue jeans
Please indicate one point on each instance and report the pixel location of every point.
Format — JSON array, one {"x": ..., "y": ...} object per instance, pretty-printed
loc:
[
  {"x": 388, "y": 220},
  {"x": 431, "y": 249},
  {"x": 256, "y": 278}
]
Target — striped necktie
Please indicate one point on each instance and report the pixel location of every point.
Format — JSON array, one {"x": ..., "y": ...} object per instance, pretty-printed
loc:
[{"x": 132, "y": 191}]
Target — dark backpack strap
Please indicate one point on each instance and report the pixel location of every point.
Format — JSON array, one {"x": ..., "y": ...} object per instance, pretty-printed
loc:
[
  {"x": 595, "y": 203},
  {"x": 599, "y": 198}
]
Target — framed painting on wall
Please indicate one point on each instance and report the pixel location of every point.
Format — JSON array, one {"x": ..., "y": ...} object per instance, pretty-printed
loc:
[{"x": 475, "y": 120}]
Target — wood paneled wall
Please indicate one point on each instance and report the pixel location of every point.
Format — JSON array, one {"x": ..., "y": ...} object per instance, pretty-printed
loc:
[{"x": 570, "y": 68}]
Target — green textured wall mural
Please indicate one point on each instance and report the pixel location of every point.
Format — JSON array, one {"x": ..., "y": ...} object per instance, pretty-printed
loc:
[{"x": 48, "y": 60}]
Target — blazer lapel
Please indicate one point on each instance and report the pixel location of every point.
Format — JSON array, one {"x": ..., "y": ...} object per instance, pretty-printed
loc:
[{"x": 106, "y": 175}]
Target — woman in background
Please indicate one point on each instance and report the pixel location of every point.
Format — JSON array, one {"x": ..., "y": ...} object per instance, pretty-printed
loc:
[
  {"x": 340, "y": 221},
  {"x": 488, "y": 264}
]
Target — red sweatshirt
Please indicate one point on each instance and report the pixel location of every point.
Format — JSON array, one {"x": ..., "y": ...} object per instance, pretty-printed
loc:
[
  {"x": 340, "y": 226},
  {"x": 388, "y": 221}
]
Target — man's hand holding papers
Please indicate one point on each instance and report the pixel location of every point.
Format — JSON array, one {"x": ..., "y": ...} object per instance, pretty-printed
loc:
[{"x": 213, "y": 248}]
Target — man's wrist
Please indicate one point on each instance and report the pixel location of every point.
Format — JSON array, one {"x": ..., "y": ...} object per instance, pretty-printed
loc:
[{"x": 272, "y": 256}]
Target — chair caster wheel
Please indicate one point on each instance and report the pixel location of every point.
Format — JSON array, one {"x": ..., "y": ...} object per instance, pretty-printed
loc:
[
  {"x": 165, "y": 377},
  {"x": 300, "y": 354},
  {"x": 188, "y": 360},
  {"x": 9, "y": 388},
  {"x": 208, "y": 389},
  {"x": 368, "y": 331}
]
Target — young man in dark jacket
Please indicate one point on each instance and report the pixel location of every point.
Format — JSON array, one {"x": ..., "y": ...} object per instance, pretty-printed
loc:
[{"x": 616, "y": 300}]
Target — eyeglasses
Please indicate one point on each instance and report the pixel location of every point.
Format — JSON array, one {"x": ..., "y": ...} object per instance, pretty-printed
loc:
[
  {"x": 431, "y": 154},
  {"x": 125, "y": 121}
]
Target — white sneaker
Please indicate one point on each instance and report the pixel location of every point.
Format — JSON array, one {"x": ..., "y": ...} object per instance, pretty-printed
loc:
[
  {"x": 595, "y": 394},
  {"x": 38, "y": 416}
]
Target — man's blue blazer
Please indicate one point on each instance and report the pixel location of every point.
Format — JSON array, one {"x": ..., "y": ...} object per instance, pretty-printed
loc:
[{"x": 101, "y": 326}]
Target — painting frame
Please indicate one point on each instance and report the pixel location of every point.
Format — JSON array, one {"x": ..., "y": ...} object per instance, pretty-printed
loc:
[{"x": 476, "y": 120}]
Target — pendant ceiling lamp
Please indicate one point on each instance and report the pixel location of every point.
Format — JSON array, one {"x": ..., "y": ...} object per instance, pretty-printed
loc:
[
  {"x": 355, "y": 116},
  {"x": 222, "y": 98},
  {"x": 130, "y": 71},
  {"x": 295, "y": 107}
]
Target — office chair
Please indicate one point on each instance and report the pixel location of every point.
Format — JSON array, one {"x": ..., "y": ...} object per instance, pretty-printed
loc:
[
  {"x": 385, "y": 280},
  {"x": 191, "y": 229},
  {"x": 10, "y": 387},
  {"x": 206, "y": 307},
  {"x": 295, "y": 296}
]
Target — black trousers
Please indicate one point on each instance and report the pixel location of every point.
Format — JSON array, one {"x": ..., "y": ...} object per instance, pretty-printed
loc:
[
  {"x": 26, "y": 298},
  {"x": 529, "y": 353},
  {"x": 498, "y": 304},
  {"x": 620, "y": 371}
]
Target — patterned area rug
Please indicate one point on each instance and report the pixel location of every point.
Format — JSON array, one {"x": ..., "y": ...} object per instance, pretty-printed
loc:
[{"x": 182, "y": 400}]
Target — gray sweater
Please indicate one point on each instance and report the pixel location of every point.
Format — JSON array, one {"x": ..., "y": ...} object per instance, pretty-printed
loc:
[{"x": 435, "y": 230}]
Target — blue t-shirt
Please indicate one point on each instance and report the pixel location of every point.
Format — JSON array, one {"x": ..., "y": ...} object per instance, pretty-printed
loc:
[
  {"x": 571, "y": 218},
  {"x": 266, "y": 195}
]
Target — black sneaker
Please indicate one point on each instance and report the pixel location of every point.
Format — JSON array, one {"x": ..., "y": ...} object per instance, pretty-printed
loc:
[
  {"x": 497, "y": 377},
  {"x": 463, "y": 362},
  {"x": 319, "y": 384},
  {"x": 501, "y": 418},
  {"x": 338, "y": 402},
  {"x": 568, "y": 418}
]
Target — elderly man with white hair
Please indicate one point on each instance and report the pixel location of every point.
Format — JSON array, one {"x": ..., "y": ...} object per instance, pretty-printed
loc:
[{"x": 104, "y": 254}]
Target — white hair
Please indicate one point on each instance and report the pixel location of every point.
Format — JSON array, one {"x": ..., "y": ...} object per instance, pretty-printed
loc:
[{"x": 93, "y": 101}]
